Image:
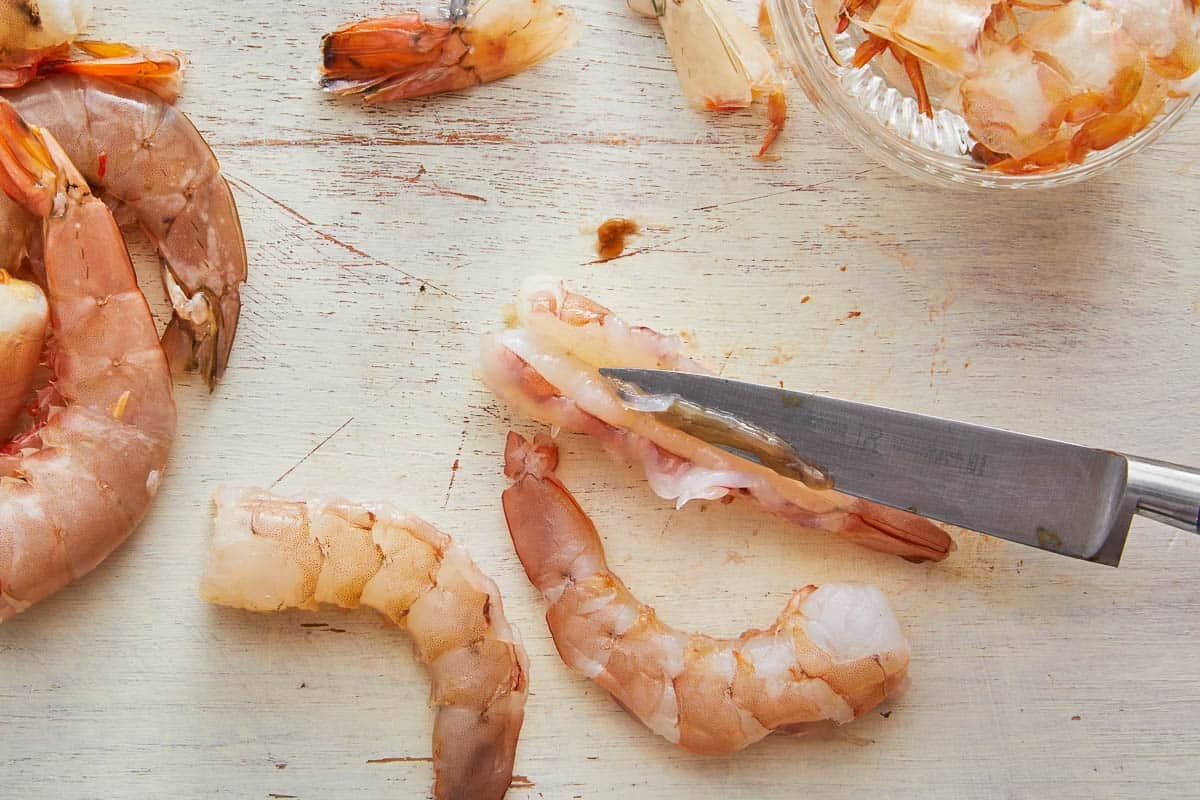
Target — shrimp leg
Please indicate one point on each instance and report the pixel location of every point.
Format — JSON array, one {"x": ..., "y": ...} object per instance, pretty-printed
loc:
[
  {"x": 834, "y": 653},
  {"x": 269, "y": 553}
]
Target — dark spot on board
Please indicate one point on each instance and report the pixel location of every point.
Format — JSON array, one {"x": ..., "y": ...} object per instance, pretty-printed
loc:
[
  {"x": 521, "y": 782},
  {"x": 280, "y": 765},
  {"x": 1076, "y": 718},
  {"x": 854, "y": 315},
  {"x": 843, "y": 267},
  {"x": 399, "y": 760},
  {"x": 611, "y": 235},
  {"x": 805, "y": 299},
  {"x": 302, "y": 686},
  {"x": 885, "y": 714}
]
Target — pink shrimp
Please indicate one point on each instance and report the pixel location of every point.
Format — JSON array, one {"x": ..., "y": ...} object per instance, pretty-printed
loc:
[
  {"x": 834, "y": 653},
  {"x": 547, "y": 368},
  {"x": 79, "y": 479}
]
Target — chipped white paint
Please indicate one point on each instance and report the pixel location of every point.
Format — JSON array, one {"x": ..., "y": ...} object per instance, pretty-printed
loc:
[{"x": 384, "y": 242}]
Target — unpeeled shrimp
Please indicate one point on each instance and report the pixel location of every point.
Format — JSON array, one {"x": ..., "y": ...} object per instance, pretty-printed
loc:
[
  {"x": 834, "y": 653},
  {"x": 153, "y": 167},
  {"x": 269, "y": 553},
  {"x": 415, "y": 54},
  {"x": 24, "y": 316},
  {"x": 547, "y": 368},
  {"x": 32, "y": 31},
  {"x": 78, "y": 481}
]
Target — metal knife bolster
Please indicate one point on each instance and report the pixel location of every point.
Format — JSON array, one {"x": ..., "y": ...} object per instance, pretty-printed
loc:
[{"x": 1165, "y": 492}]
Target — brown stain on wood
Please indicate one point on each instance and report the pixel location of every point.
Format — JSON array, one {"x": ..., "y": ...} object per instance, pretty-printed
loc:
[
  {"x": 521, "y": 782},
  {"x": 400, "y": 760},
  {"x": 611, "y": 236}
]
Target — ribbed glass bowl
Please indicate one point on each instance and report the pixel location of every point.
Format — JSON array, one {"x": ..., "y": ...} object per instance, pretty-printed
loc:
[{"x": 887, "y": 125}]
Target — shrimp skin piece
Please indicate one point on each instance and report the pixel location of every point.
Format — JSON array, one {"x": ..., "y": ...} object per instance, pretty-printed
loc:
[
  {"x": 834, "y": 653},
  {"x": 411, "y": 55},
  {"x": 75, "y": 484},
  {"x": 153, "y": 167},
  {"x": 270, "y": 553},
  {"x": 24, "y": 315},
  {"x": 547, "y": 368}
]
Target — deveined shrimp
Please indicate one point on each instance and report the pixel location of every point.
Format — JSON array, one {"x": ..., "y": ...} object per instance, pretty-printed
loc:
[
  {"x": 153, "y": 167},
  {"x": 415, "y": 54},
  {"x": 80, "y": 478},
  {"x": 1041, "y": 83},
  {"x": 547, "y": 367},
  {"x": 269, "y": 553},
  {"x": 834, "y": 653}
]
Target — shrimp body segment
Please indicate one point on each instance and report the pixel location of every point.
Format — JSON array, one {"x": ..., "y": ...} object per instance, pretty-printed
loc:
[
  {"x": 269, "y": 553},
  {"x": 153, "y": 167},
  {"x": 80, "y": 478},
  {"x": 411, "y": 54},
  {"x": 24, "y": 315},
  {"x": 834, "y": 653},
  {"x": 547, "y": 367}
]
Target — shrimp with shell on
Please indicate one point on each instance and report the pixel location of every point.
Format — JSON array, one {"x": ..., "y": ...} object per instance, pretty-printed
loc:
[
  {"x": 547, "y": 367},
  {"x": 79, "y": 476},
  {"x": 151, "y": 165},
  {"x": 269, "y": 553},
  {"x": 416, "y": 54},
  {"x": 834, "y": 653}
]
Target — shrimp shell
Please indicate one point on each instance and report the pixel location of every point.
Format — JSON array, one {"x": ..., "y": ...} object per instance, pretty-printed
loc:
[
  {"x": 834, "y": 653},
  {"x": 75, "y": 485},
  {"x": 547, "y": 368},
  {"x": 153, "y": 167},
  {"x": 269, "y": 553}
]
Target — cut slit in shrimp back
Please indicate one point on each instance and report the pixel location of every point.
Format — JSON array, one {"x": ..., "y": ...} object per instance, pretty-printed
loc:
[
  {"x": 270, "y": 553},
  {"x": 834, "y": 653},
  {"x": 547, "y": 368},
  {"x": 411, "y": 55},
  {"x": 76, "y": 483},
  {"x": 153, "y": 167}
]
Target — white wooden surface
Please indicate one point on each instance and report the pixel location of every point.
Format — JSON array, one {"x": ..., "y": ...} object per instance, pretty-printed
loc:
[{"x": 385, "y": 242}]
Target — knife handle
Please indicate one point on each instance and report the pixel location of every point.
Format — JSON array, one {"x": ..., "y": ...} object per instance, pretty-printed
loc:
[{"x": 1166, "y": 492}]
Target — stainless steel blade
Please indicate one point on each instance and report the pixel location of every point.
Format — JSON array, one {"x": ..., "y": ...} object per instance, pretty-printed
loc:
[{"x": 1039, "y": 492}]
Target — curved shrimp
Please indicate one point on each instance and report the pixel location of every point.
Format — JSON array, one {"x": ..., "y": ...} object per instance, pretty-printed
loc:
[
  {"x": 547, "y": 368},
  {"x": 153, "y": 167},
  {"x": 414, "y": 54},
  {"x": 834, "y": 653},
  {"x": 77, "y": 482},
  {"x": 269, "y": 553},
  {"x": 24, "y": 316}
]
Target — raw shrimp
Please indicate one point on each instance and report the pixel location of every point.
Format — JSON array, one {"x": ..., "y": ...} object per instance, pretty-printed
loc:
[
  {"x": 24, "y": 315},
  {"x": 269, "y": 553},
  {"x": 834, "y": 653},
  {"x": 1041, "y": 83},
  {"x": 412, "y": 54},
  {"x": 152, "y": 166},
  {"x": 77, "y": 482},
  {"x": 547, "y": 368},
  {"x": 721, "y": 63}
]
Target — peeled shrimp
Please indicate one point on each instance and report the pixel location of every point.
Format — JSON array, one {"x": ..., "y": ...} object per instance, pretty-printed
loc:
[
  {"x": 77, "y": 482},
  {"x": 153, "y": 167},
  {"x": 722, "y": 64},
  {"x": 269, "y": 553},
  {"x": 834, "y": 653},
  {"x": 547, "y": 368},
  {"x": 414, "y": 54},
  {"x": 24, "y": 316}
]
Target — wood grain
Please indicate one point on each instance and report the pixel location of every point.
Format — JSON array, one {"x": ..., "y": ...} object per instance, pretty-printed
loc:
[{"x": 384, "y": 242}]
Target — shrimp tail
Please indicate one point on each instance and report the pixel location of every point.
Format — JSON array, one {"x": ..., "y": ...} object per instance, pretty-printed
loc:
[
  {"x": 27, "y": 170},
  {"x": 157, "y": 71}
]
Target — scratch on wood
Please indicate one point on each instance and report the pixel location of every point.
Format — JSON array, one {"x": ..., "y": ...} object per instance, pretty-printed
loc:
[
  {"x": 310, "y": 453},
  {"x": 399, "y": 760},
  {"x": 462, "y": 442},
  {"x": 246, "y": 186},
  {"x": 521, "y": 782},
  {"x": 807, "y": 188}
]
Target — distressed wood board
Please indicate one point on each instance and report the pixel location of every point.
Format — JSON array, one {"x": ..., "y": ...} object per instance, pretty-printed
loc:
[{"x": 385, "y": 242}]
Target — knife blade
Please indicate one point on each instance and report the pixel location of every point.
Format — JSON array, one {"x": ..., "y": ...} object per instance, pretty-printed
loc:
[{"x": 1065, "y": 498}]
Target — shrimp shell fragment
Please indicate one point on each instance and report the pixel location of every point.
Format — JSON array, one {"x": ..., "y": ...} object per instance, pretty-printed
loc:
[
  {"x": 834, "y": 653},
  {"x": 270, "y": 553},
  {"x": 547, "y": 368}
]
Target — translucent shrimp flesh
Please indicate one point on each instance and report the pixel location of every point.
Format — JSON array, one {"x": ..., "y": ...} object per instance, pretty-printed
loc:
[
  {"x": 151, "y": 165},
  {"x": 416, "y": 54},
  {"x": 1040, "y": 83},
  {"x": 270, "y": 553},
  {"x": 546, "y": 367},
  {"x": 834, "y": 653},
  {"x": 722, "y": 64},
  {"x": 77, "y": 480},
  {"x": 24, "y": 315}
]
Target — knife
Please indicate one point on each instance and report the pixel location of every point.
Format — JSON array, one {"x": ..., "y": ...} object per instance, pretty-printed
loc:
[{"x": 1068, "y": 499}]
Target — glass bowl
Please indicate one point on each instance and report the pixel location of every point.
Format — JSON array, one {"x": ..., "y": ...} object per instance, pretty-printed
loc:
[{"x": 865, "y": 105}]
